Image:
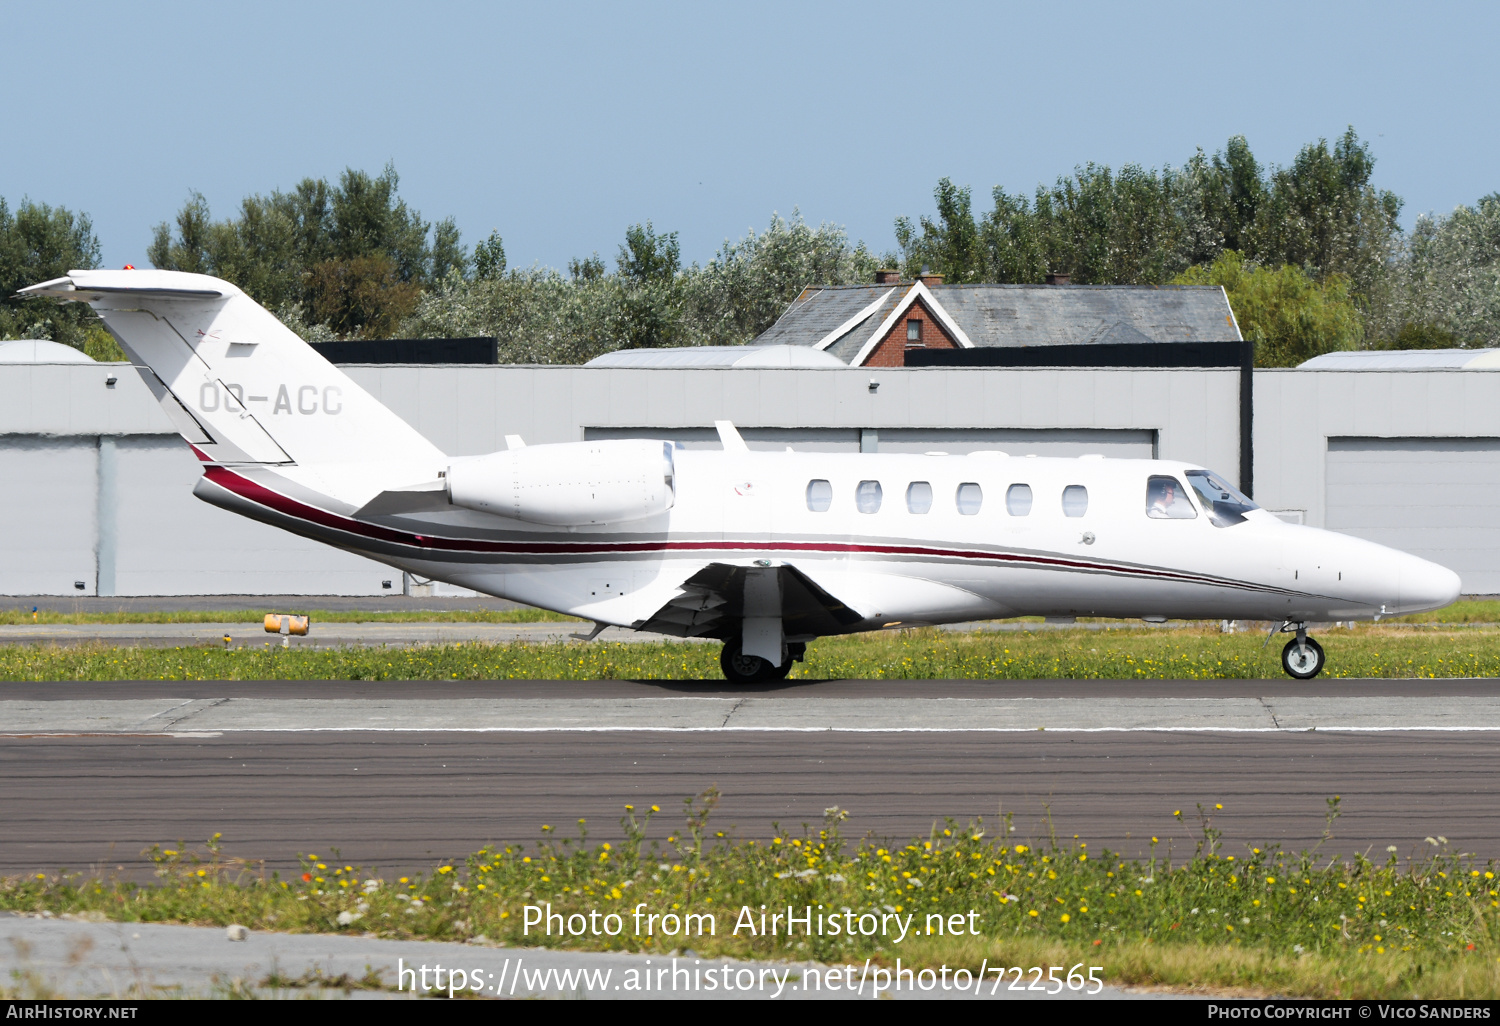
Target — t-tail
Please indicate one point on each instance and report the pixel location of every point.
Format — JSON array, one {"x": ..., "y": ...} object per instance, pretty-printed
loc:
[{"x": 242, "y": 388}]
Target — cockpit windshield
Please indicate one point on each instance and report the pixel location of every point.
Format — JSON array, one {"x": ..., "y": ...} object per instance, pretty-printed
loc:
[{"x": 1225, "y": 504}]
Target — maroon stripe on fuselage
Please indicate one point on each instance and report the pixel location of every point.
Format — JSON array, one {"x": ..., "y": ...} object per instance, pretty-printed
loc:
[{"x": 287, "y": 506}]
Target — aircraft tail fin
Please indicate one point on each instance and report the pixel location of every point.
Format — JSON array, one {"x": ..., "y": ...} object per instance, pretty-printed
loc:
[{"x": 239, "y": 385}]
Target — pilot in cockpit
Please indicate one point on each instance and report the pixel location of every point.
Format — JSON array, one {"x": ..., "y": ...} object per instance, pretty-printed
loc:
[{"x": 1164, "y": 500}]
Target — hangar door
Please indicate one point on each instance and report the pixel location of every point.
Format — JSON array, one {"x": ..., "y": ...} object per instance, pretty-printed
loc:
[
  {"x": 1016, "y": 441},
  {"x": 169, "y": 542},
  {"x": 51, "y": 497},
  {"x": 1438, "y": 498}
]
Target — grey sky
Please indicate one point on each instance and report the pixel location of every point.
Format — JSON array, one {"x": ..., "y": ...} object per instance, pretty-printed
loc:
[{"x": 561, "y": 124}]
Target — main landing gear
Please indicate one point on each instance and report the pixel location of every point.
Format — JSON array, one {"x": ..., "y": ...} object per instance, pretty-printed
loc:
[
  {"x": 740, "y": 668},
  {"x": 1302, "y": 657}
]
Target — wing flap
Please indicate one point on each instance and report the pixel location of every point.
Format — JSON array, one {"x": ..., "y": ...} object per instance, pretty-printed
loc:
[{"x": 711, "y": 603}]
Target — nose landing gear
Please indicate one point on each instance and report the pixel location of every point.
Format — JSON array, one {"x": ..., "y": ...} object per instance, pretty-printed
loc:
[{"x": 1302, "y": 657}]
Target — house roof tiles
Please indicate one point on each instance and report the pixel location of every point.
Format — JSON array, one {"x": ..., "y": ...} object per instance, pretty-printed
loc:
[{"x": 1016, "y": 315}]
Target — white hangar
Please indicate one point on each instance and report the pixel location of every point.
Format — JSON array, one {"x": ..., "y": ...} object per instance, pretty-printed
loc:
[{"x": 1401, "y": 448}]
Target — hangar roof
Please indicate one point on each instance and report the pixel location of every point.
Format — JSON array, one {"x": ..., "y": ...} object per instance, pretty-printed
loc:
[
  {"x": 718, "y": 356},
  {"x": 40, "y": 350},
  {"x": 1406, "y": 359},
  {"x": 842, "y": 319}
]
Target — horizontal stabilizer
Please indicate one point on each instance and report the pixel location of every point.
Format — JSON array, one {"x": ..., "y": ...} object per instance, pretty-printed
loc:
[{"x": 80, "y": 284}]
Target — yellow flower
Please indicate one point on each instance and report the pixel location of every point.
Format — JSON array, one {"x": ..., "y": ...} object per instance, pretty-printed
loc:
[
  {"x": 1065, "y": 917},
  {"x": 1033, "y": 913}
]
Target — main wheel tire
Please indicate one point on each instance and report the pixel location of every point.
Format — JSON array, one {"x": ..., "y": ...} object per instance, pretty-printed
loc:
[
  {"x": 740, "y": 668},
  {"x": 1303, "y": 661}
]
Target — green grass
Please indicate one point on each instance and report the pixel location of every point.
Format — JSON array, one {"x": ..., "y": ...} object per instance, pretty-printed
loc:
[
  {"x": 1467, "y": 611},
  {"x": 1256, "y": 920},
  {"x": 525, "y": 614},
  {"x": 1193, "y": 653}
]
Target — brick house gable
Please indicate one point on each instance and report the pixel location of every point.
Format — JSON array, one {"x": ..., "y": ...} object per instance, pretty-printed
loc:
[{"x": 891, "y": 350}]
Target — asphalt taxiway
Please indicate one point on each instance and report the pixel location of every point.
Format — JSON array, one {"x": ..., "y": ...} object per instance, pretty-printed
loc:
[{"x": 403, "y": 774}]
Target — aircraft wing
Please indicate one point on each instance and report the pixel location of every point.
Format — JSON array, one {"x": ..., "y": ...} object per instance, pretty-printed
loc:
[{"x": 711, "y": 602}]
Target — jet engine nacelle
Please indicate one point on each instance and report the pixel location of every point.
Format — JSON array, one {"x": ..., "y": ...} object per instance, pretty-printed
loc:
[{"x": 569, "y": 483}]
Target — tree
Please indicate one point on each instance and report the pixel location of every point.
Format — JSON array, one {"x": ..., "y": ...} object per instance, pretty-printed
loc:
[
  {"x": 1322, "y": 213},
  {"x": 951, "y": 244},
  {"x": 310, "y": 252},
  {"x": 647, "y": 256},
  {"x": 489, "y": 257},
  {"x": 540, "y": 316},
  {"x": 1445, "y": 288},
  {"x": 1218, "y": 199},
  {"x": 38, "y": 243},
  {"x": 361, "y": 297},
  {"x": 749, "y": 283},
  {"x": 1290, "y": 316},
  {"x": 1140, "y": 227}
]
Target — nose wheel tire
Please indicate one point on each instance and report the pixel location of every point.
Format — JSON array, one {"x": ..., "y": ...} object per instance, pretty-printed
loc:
[
  {"x": 740, "y": 668},
  {"x": 1302, "y": 659}
]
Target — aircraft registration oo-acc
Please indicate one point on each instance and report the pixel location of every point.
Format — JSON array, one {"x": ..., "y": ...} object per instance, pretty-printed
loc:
[{"x": 764, "y": 551}]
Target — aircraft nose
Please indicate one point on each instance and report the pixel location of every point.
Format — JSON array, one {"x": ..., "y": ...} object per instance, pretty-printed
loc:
[{"x": 1426, "y": 585}]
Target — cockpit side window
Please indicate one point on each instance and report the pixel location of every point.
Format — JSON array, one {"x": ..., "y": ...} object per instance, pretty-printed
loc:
[
  {"x": 1166, "y": 499},
  {"x": 1226, "y": 505}
]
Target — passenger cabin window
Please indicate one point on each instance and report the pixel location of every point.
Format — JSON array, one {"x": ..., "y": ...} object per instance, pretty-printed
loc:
[
  {"x": 867, "y": 497},
  {"x": 1075, "y": 501},
  {"x": 919, "y": 497},
  {"x": 819, "y": 496},
  {"x": 1167, "y": 500},
  {"x": 1226, "y": 505},
  {"x": 1018, "y": 500},
  {"x": 969, "y": 498}
]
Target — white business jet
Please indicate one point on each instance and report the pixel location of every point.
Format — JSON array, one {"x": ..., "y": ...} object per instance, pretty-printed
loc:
[{"x": 765, "y": 551}]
